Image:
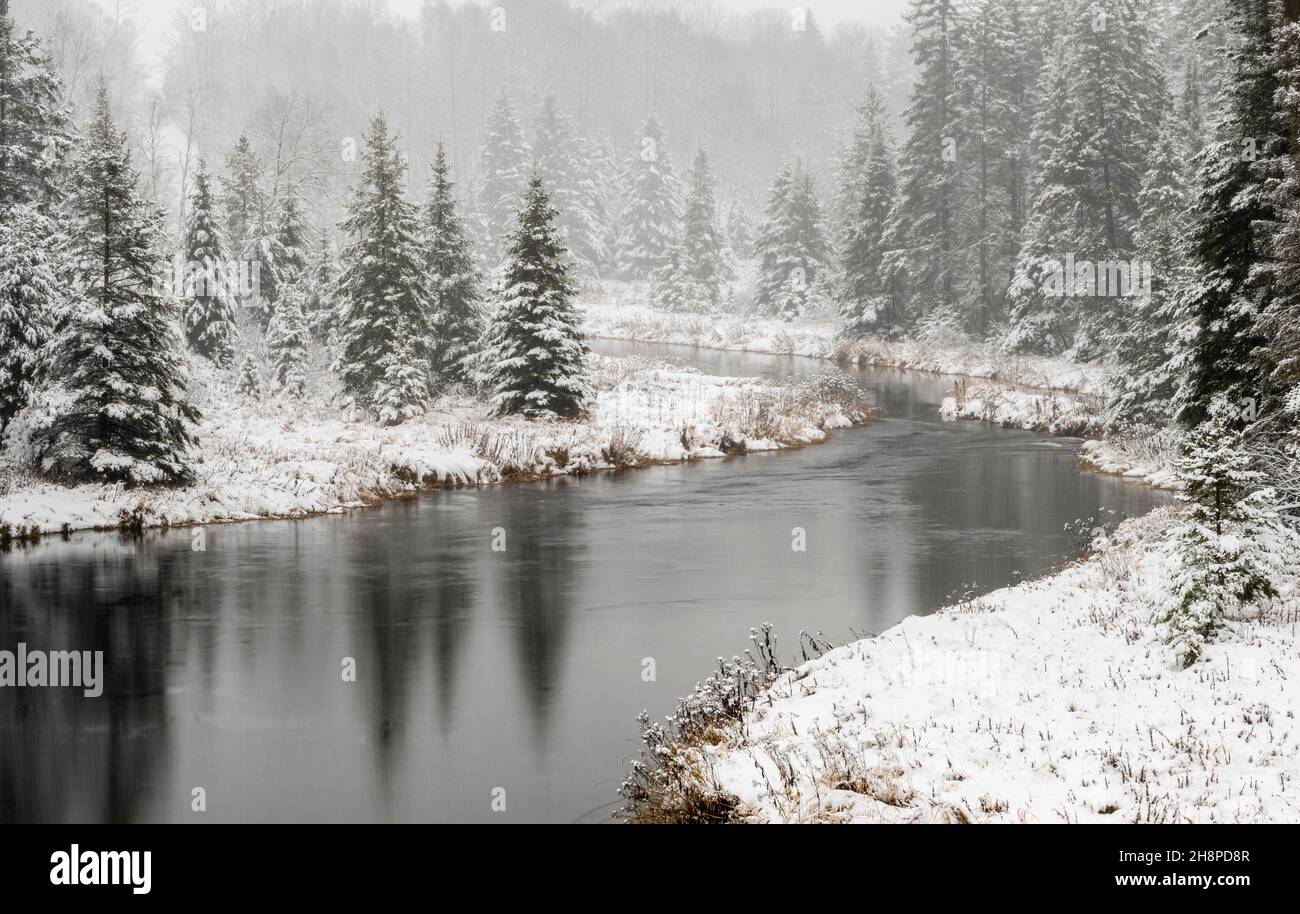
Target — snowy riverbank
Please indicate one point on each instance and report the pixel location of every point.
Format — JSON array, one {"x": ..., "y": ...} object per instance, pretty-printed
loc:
[
  {"x": 1051, "y": 701},
  {"x": 1050, "y": 395},
  {"x": 618, "y": 313},
  {"x": 272, "y": 457}
]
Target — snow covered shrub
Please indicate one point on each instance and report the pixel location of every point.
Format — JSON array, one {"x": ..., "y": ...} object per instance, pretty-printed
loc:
[
  {"x": 624, "y": 448},
  {"x": 1232, "y": 547},
  {"x": 838, "y": 391},
  {"x": 513, "y": 453},
  {"x": 671, "y": 782}
]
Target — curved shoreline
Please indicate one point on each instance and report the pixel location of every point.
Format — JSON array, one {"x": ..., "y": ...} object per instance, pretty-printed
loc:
[{"x": 407, "y": 461}]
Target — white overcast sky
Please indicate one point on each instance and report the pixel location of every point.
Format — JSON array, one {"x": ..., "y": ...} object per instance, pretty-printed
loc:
[{"x": 154, "y": 16}]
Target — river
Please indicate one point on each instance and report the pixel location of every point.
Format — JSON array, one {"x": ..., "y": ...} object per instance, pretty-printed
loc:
[{"x": 488, "y": 678}]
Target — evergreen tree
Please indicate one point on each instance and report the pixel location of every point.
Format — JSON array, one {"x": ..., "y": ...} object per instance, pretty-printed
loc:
[
  {"x": 293, "y": 239},
  {"x": 1233, "y": 545},
  {"x": 867, "y": 304},
  {"x": 1120, "y": 96},
  {"x": 697, "y": 265},
  {"x": 670, "y": 287},
  {"x": 28, "y": 301},
  {"x": 241, "y": 196},
  {"x": 34, "y": 128},
  {"x": 250, "y": 381},
  {"x": 651, "y": 208},
  {"x": 457, "y": 318},
  {"x": 565, "y": 162},
  {"x": 1148, "y": 339},
  {"x": 537, "y": 359},
  {"x": 792, "y": 251},
  {"x": 1099, "y": 117},
  {"x": 118, "y": 407},
  {"x": 1233, "y": 285},
  {"x": 207, "y": 298},
  {"x": 740, "y": 231},
  {"x": 1041, "y": 319},
  {"x": 321, "y": 281},
  {"x": 503, "y": 172},
  {"x": 1280, "y": 324},
  {"x": 288, "y": 339},
  {"x": 278, "y": 242},
  {"x": 989, "y": 122},
  {"x": 921, "y": 237},
  {"x": 403, "y": 384},
  {"x": 383, "y": 290}
]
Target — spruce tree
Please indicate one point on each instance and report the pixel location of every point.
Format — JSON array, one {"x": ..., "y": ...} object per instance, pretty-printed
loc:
[
  {"x": 537, "y": 359},
  {"x": 403, "y": 384},
  {"x": 793, "y": 254},
  {"x": 1231, "y": 549},
  {"x": 1041, "y": 318},
  {"x": 702, "y": 241},
  {"x": 293, "y": 237},
  {"x": 250, "y": 381},
  {"x": 383, "y": 292},
  {"x": 241, "y": 196},
  {"x": 651, "y": 207},
  {"x": 34, "y": 130},
  {"x": 867, "y": 304},
  {"x": 670, "y": 286},
  {"x": 29, "y": 297},
  {"x": 207, "y": 296},
  {"x": 921, "y": 237},
  {"x": 118, "y": 401},
  {"x": 565, "y": 161},
  {"x": 1121, "y": 95},
  {"x": 740, "y": 231},
  {"x": 288, "y": 340},
  {"x": 502, "y": 173},
  {"x": 1232, "y": 289},
  {"x": 456, "y": 313},
  {"x": 1147, "y": 340},
  {"x": 1099, "y": 118},
  {"x": 321, "y": 281},
  {"x": 697, "y": 264},
  {"x": 988, "y": 121},
  {"x": 1280, "y": 324}
]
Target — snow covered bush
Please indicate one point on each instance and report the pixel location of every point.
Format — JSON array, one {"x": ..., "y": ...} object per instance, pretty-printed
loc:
[{"x": 670, "y": 783}]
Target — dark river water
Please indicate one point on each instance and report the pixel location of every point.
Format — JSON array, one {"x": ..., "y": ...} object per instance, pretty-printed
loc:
[{"x": 512, "y": 675}]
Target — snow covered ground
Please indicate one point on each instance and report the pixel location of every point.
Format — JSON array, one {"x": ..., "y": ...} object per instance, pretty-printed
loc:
[
  {"x": 272, "y": 457},
  {"x": 1038, "y": 410},
  {"x": 1051, "y": 701}
]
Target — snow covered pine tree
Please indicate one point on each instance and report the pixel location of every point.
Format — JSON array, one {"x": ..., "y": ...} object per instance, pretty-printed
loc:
[
  {"x": 207, "y": 297},
  {"x": 456, "y": 319},
  {"x": 537, "y": 356},
  {"x": 383, "y": 290},
  {"x": 117, "y": 407},
  {"x": 1233, "y": 545}
]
